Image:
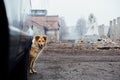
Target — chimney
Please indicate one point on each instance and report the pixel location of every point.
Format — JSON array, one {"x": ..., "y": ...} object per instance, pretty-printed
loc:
[
  {"x": 118, "y": 20},
  {"x": 114, "y": 21},
  {"x": 110, "y": 23}
]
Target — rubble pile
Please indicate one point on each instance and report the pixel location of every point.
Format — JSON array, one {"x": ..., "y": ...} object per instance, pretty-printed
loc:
[
  {"x": 84, "y": 45},
  {"x": 106, "y": 44},
  {"x": 81, "y": 44}
]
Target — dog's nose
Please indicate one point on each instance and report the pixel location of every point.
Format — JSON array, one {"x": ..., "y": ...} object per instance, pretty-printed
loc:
[{"x": 41, "y": 45}]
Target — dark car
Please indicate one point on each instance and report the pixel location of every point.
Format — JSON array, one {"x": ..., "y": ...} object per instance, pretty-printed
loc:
[{"x": 15, "y": 41}]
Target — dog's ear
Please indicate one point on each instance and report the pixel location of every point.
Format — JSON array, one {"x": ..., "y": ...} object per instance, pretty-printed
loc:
[
  {"x": 45, "y": 37},
  {"x": 37, "y": 37}
]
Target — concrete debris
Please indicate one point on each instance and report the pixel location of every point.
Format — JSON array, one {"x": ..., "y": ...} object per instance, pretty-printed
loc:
[
  {"x": 98, "y": 44},
  {"x": 106, "y": 44}
]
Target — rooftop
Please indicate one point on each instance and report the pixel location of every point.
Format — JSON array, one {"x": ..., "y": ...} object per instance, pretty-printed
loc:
[{"x": 50, "y": 22}]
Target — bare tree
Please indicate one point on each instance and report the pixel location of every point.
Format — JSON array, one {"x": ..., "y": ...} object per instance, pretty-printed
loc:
[
  {"x": 63, "y": 28},
  {"x": 81, "y": 26}
]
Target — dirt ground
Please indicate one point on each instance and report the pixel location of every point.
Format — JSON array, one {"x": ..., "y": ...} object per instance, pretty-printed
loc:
[{"x": 76, "y": 64}]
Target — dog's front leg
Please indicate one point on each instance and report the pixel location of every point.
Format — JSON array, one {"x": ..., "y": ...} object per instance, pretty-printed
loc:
[{"x": 32, "y": 61}]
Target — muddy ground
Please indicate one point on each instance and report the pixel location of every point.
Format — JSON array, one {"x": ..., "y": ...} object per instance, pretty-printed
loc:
[{"x": 75, "y": 64}]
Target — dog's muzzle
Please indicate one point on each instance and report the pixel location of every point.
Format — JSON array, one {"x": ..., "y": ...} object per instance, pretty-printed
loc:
[{"x": 41, "y": 46}]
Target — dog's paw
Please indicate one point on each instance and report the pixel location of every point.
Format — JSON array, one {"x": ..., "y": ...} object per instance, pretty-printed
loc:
[{"x": 32, "y": 72}]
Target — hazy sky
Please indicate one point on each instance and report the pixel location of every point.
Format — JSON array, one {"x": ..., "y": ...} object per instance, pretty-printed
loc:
[{"x": 72, "y": 10}]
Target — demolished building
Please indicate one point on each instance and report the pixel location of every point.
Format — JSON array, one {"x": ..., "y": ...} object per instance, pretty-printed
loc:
[{"x": 114, "y": 29}]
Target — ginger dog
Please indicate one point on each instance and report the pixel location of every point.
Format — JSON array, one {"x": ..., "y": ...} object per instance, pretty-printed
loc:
[{"x": 37, "y": 46}]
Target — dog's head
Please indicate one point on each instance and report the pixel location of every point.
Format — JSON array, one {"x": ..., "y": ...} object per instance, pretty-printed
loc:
[{"x": 40, "y": 40}]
